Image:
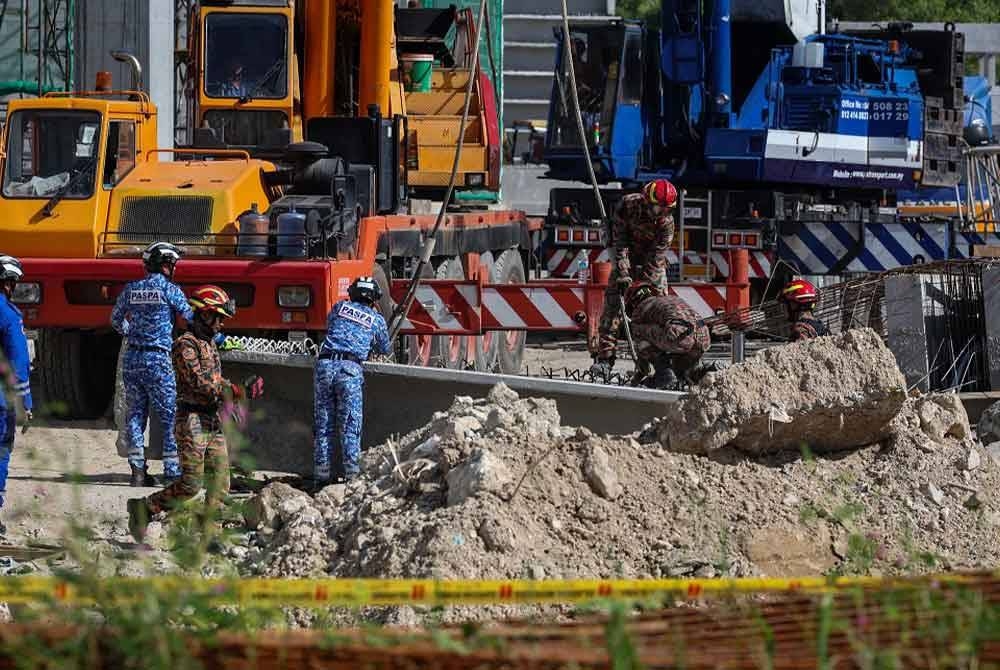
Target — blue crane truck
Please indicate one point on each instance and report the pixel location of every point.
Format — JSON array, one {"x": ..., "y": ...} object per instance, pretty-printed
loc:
[{"x": 825, "y": 154}]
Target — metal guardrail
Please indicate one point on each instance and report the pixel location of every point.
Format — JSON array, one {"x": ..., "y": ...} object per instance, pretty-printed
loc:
[{"x": 295, "y": 246}]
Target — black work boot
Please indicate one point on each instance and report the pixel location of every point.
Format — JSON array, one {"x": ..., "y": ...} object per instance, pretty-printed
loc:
[
  {"x": 665, "y": 379},
  {"x": 141, "y": 477},
  {"x": 138, "y": 518},
  {"x": 601, "y": 369}
]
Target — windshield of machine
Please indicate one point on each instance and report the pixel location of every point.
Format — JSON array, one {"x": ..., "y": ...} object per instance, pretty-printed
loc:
[
  {"x": 596, "y": 57},
  {"x": 246, "y": 56},
  {"x": 49, "y": 150}
]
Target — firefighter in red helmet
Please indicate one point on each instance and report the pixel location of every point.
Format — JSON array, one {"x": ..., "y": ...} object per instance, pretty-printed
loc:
[
  {"x": 670, "y": 337},
  {"x": 642, "y": 229},
  {"x": 800, "y": 297}
]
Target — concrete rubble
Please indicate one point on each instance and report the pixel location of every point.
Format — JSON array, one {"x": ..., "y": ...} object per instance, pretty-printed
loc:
[
  {"x": 496, "y": 487},
  {"x": 793, "y": 396},
  {"x": 988, "y": 427}
]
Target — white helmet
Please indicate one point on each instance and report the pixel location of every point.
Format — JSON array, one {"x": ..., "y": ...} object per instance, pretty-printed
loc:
[
  {"x": 10, "y": 268},
  {"x": 159, "y": 253}
]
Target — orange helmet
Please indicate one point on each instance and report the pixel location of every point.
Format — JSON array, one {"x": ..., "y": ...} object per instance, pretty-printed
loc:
[
  {"x": 799, "y": 292},
  {"x": 660, "y": 192},
  {"x": 213, "y": 299}
]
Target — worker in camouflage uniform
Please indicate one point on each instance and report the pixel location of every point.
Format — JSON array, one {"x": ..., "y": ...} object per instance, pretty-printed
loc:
[
  {"x": 202, "y": 393},
  {"x": 642, "y": 229},
  {"x": 15, "y": 366},
  {"x": 800, "y": 297},
  {"x": 670, "y": 337},
  {"x": 354, "y": 330},
  {"x": 144, "y": 315}
]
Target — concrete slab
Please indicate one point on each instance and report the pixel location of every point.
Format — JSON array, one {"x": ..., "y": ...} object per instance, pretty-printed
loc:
[{"x": 400, "y": 398}]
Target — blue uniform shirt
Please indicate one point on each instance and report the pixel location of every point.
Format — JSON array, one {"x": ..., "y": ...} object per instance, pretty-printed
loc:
[
  {"x": 144, "y": 312},
  {"x": 14, "y": 345},
  {"x": 355, "y": 328}
]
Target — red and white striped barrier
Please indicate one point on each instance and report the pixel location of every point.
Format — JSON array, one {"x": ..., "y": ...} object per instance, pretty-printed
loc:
[
  {"x": 440, "y": 307},
  {"x": 525, "y": 307},
  {"x": 760, "y": 266},
  {"x": 707, "y": 300},
  {"x": 449, "y": 307},
  {"x": 564, "y": 263}
]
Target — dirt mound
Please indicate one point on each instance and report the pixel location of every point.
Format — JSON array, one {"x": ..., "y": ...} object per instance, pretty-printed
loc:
[
  {"x": 829, "y": 393},
  {"x": 497, "y": 488}
]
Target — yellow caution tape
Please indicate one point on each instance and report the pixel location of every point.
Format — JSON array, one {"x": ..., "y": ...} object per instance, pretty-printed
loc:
[{"x": 358, "y": 592}]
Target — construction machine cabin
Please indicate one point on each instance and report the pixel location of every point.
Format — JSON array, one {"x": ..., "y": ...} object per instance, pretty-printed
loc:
[
  {"x": 259, "y": 88},
  {"x": 824, "y": 153},
  {"x": 294, "y": 122}
]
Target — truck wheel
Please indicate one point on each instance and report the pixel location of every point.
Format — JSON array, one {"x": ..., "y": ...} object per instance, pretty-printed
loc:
[
  {"x": 419, "y": 347},
  {"x": 449, "y": 351},
  {"x": 485, "y": 346},
  {"x": 75, "y": 372},
  {"x": 385, "y": 304},
  {"x": 510, "y": 270}
]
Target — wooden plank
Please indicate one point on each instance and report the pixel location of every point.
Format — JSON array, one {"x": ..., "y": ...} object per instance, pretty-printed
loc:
[{"x": 985, "y": 251}]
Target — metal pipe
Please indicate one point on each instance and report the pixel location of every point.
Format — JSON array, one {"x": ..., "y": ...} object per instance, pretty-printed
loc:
[
  {"x": 722, "y": 64},
  {"x": 320, "y": 44},
  {"x": 377, "y": 44},
  {"x": 133, "y": 62},
  {"x": 21, "y": 86},
  {"x": 70, "y": 82},
  {"x": 738, "y": 343},
  {"x": 42, "y": 10}
]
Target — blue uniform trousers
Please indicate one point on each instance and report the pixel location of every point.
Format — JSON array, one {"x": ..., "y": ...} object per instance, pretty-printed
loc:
[
  {"x": 7, "y": 430},
  {"x": 149, "y": 380},
  {"x": 338, "y": 418}
]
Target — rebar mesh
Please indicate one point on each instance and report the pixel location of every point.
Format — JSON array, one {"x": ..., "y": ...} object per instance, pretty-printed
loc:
[{"x": 953, "y": 309}]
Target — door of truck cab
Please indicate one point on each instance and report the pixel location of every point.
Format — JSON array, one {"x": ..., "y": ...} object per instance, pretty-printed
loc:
[{"x": 608, "y": 62}]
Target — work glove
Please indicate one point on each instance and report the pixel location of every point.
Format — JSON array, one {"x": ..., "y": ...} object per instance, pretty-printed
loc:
[
  {"x": 623, "y": 283},
  {"x": 253, "y": 387},
  {"x": 28, "y": 417},
  {"x": 229, "y": 344}
]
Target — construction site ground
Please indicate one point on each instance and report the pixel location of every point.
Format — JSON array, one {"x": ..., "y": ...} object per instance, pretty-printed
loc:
[
  {"x": 70, "y": 470},
  {"x": 498, "y": 488}
]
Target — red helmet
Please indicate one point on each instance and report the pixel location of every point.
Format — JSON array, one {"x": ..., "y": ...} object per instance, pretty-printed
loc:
[
  {"x": 660, "y": 192},
  {"x": 212, "y": 299},
  {"x": 800, "y": 292}
]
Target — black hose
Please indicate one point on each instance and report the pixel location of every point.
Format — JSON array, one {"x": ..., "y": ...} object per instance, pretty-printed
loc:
[{"x": 403, "y": 308}]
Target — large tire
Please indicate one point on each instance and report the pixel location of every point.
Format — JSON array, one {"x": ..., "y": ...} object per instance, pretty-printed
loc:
[
  {"x": 449, "y": 351},
  {"x": 386, "y": 304},
  {"x": 75, "y": 372},
  {"x": 509, "y": 269},
  {"x": 419, "y": 348},
  {"x": 485, "y": 346}
]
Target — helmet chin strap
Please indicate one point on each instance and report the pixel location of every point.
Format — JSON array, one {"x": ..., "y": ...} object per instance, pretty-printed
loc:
[{"x": 201, "y": 328}]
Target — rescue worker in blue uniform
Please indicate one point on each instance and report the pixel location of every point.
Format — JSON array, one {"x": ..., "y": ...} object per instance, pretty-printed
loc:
[
  {"x": 14, "y": 366},
  {"x": 354, "y": 329},
  {"x": 144, "y": 316}
]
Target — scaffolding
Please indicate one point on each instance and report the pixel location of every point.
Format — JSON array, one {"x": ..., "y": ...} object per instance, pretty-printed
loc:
[{"x": 36, "y": 46}]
